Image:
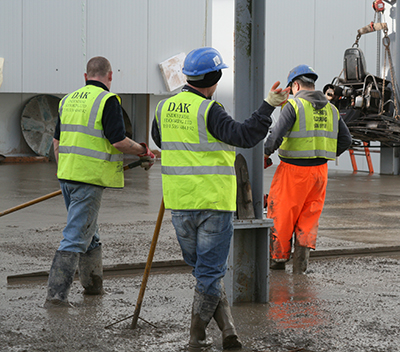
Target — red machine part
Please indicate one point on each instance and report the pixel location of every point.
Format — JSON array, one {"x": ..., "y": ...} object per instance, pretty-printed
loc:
[{"x": 378, "y": 6}]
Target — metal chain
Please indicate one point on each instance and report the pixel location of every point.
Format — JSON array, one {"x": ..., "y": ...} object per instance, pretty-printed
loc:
[
  {"x": 356, "y": 42},
  {"x": 378, "y": 47},
  {"x": 386, "y": 43},
  {"x": 384, "y": 82}
]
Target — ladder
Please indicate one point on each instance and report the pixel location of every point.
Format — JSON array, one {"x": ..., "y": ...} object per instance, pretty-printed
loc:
[{"x": 367, "y": 153}]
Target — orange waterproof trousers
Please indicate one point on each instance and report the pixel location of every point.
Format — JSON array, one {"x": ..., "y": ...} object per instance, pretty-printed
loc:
[{"x": 295, "y": 202}]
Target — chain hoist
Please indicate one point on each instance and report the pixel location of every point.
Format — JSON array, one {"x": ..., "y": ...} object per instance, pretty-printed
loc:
[{"x": 388, "y": 57}]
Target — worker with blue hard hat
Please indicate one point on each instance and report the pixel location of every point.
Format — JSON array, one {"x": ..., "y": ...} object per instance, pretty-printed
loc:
[
  {"x": 197, "y": 138},
  {"x": 202, "y": 61},
  {"x": 308, "y": 133},
  {"x": 303, "y": 72}
]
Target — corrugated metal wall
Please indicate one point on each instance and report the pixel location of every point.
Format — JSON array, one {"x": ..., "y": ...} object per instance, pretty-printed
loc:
[{"x": 46, "y": 43}]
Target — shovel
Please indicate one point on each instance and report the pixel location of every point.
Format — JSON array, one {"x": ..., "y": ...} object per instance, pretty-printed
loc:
[{"x": 55, "y": 193}]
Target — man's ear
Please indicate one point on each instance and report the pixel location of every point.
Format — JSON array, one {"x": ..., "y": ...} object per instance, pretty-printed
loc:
[{"x": 85, "y": 75}]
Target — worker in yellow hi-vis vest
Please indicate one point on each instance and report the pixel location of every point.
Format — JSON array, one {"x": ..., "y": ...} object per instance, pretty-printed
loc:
[
  {"x": 197, "y": 139},
  {"x": 89, "y": 144},
  {"x": 308, "y": 133}
]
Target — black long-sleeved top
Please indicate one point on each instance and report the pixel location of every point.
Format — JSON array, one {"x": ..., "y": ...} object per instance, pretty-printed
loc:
[
  {"x": 224, "y": 128},
  {"x": 288, "y": 117}
]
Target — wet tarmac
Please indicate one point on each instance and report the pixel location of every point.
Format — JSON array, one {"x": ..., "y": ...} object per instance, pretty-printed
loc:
[{"x": 343, "y": 304}]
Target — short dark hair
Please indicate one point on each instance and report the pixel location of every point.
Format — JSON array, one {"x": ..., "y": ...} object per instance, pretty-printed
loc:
[
  {"x": 98, "y": 66},
  {"x": 305, "y": 82}
]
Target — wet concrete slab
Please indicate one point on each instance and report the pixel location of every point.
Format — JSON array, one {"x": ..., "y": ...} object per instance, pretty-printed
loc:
[{"x": 342, "y": 304}]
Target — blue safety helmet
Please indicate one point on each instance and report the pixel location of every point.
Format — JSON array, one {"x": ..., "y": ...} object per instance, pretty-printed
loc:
[
  {"x": 306, "y": 71},
  {"x": 202, "y": 61}
]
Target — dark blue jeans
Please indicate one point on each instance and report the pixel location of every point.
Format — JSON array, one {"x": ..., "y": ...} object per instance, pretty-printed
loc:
[{"x": 205, "y": 238}]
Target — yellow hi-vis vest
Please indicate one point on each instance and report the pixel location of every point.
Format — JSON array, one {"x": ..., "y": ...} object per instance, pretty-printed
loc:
[
  {"x": 314, "y": 133},
  {"x": 85, "y": 154},
  {"x": 198, "y": 170}
]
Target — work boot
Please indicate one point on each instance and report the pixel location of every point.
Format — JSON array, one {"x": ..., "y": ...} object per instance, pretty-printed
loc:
[
  {"x": 203, "y": 310},
  {"x": 300, "y": 259},
  {"x": 61, "y": 276},
  {"x": 223, "y": 317},
  {"x": 91, "y": 271},
  {"x": 277, "y": 265}
]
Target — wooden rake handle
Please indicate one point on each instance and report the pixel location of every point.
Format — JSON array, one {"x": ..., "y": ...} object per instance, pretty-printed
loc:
[{"x": 148, "y": 265}]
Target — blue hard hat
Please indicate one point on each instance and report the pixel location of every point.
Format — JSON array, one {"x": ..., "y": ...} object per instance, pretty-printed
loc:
[
  {"x": 201, "y": 61},
  {"x": 302, "y": 70}
]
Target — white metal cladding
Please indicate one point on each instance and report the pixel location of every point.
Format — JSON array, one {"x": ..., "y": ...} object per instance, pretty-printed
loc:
[
  {"x": 46, "y": 43},
  {"x": 118, "y": 30},
  {"x": 52, "y": 53},
  {"x": 317, "y": 33},
  {"x": 166, "y": 39},
  {"x": 10, "y": 44}
]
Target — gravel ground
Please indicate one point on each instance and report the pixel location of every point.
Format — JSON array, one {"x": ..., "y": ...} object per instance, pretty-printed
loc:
[
  {"x": 340, "y": 305},
  {"x": 343, "y": 305}
]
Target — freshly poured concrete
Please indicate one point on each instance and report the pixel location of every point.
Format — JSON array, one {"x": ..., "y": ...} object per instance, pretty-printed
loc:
[{"x": 347, "y": 304}]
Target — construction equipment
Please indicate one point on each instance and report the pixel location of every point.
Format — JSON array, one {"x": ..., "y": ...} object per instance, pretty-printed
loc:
[
  {"x": 55, "y": 193},
  {"x": 367, "y": 103}
]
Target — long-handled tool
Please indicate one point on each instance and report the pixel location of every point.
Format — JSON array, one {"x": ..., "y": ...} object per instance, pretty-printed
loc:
[
  {"x": 148, "y": 265},
  {"x": 56, "y": 193},
  {"x": 146, "y": 273}
]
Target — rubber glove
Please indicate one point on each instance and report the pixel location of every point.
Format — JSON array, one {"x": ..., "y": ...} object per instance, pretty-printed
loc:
[
  {"x": 267, "y": 161},
  {"x": 277, "y": 96},
  {"x": 147, "y": 158}
]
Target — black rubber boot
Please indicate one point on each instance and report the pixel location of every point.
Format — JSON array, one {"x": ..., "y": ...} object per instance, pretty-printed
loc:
[
  {"x": 61, "y": 276},
  {"x": 300, "y": 259},
  {"x": 274, "y": 265},
  {"x": 223, "y": 317},
  {"x": 91, "y": 271},
  {"x": 203, "y": 310}
]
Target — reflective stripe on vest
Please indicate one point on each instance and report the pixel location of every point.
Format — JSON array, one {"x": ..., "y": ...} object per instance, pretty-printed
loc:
[
  {"x": 85, "y": 154},
  {"x": 198, "y": 170},
  {"x": 303, "y": 142},
  {"x": 203, "y": 139},
  {"x": 92, "y": 153}
]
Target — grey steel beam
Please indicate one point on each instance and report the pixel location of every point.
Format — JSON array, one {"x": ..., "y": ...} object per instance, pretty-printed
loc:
[
  {"x": 247, "y": 278},
  {"x": 249, "y": 83}
]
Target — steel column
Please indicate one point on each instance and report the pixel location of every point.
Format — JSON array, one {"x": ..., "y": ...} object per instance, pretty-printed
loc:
[{"x": 248, "y": 269}]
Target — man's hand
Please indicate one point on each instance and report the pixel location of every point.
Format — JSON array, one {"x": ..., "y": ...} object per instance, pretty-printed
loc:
[
  {"x": 277, "y": 96},
  {"x": 147, "y": 157}
]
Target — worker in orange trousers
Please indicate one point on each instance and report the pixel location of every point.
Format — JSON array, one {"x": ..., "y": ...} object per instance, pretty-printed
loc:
[{"x": 308, "y": 133}]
